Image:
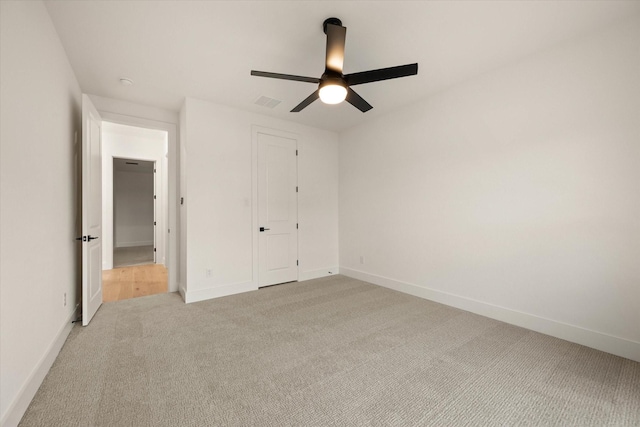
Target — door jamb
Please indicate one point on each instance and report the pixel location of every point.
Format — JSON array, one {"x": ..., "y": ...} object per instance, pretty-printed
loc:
[
  {"x": 172, "y": 181},
  {"x": 155, "y": 206}
]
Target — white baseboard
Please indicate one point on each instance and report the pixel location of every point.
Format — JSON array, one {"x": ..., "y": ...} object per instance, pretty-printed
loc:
[
  {"x": 314, "y": 274},
  {"x": 19, "y": 406},
  {"x": 132, "y": 244},
  {"x": 237, "y": 288},
  {"x": 598, "y": 340},
  {"x": 217, "y": 292}
]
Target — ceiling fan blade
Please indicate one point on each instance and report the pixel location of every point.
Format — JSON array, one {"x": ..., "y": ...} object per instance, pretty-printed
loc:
[
  {"x": 315, "y": 95},
  {"x": 381, "y": 74},
  {"x": 336, "y": 35},
  {"x": 357, "y": 101},
  {"x": 285, "y": 76}
]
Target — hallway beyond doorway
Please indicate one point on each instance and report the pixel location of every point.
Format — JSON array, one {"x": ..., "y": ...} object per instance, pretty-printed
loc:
[{"x": 132, "y": 282}]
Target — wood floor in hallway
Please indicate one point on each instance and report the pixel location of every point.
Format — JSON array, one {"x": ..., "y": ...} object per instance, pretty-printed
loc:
[{"x": 132, "y": 282}]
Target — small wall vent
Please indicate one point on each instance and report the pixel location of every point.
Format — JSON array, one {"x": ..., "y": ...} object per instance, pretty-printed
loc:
[{"x": 265, "y": 101}]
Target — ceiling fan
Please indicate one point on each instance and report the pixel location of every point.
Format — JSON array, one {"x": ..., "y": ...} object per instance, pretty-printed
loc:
[{"x": 334, "y": 87}]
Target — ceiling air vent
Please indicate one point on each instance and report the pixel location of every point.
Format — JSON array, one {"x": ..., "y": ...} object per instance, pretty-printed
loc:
[{"x": 265, "y": 101}]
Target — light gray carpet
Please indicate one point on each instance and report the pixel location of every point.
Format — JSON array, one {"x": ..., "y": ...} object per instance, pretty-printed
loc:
[
  {"x": 134, "y": 255},
  {"x": 331, "y": 351}
]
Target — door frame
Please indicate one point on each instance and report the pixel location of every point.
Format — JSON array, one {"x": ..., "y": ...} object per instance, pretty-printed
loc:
[
  {"x": 255, "y": 130},
  {"x": 171, "y": 222},
  {"x": 160, "y": 223}
]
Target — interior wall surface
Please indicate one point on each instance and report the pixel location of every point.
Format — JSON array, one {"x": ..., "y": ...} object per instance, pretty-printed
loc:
[
  {"x": 133, "y": 209},
  {"x": 219, "y": 207},
  {"x": 515, "y": 195},
  {"x": 40, "y": 112}
]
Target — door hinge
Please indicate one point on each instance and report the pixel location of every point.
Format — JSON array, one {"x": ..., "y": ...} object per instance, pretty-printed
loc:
[
  {"x": 154, "y": 249},
  {"x": 154, "y": 223},
  {"x": 154, "y": 197},
  {"x": 154, "y": 171},
  {"x": 296, "y": 188},
  {"x": 296, "y": 152},
  {"x": 297, "y": 262},
  {"x": 296, "y": 225}
]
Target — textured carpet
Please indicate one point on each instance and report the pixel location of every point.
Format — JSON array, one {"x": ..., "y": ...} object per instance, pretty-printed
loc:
[
  {"x": 133, "y": 255},
  {"x": 331, "y": 351}
]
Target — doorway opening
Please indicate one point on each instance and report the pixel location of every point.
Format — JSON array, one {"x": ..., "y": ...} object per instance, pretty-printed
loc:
[
  {"x": 135, "y": 211},
  {"x": 134, "y": 206}
]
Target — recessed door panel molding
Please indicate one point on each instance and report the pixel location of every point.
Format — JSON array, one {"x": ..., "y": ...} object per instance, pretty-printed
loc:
[
  {"x": 278, "y": 184},
  {"x": 95, "y": 282},
  {"x": 95, "y": 169},
  {"x": 277, "y": 252}
]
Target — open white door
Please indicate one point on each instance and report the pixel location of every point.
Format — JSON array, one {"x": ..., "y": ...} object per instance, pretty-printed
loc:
[
  {"x": 91, "y": 210},
  {"x": 277, "y": 210}
]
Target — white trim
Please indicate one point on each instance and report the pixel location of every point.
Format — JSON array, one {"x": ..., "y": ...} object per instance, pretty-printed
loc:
[
  {"x": 576, "y": 334},
  {"x": 19, "y": 406},
  {"x": 315, "y": 274},
  {"x": 171, "y": 255},
  {"x": 133, "y": 244},
  {"x": 218, "y": 291}
]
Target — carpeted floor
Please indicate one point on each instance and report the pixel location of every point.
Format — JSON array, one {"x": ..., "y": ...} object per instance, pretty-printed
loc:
[
  {"x": 133, "y": 255},
  {"x": 331, "y": 351}
]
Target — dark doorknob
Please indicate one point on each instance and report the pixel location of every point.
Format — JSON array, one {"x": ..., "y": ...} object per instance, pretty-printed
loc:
[
  {"x": 264, "y": 229},
  {"x": 86, "y": 238}
]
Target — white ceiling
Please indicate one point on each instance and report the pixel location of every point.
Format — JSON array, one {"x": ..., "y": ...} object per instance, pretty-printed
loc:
[{"x": 206, "y": 49}]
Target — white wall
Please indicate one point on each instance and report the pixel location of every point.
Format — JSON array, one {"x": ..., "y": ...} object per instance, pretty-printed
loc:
[
  {"x": 133, "y": 208},
  {"x": 515, "y": 195},
  {"x": 40, "y": 107},
  {"x": 218, "y": 165},
  {"x": 122, "y": 141}
]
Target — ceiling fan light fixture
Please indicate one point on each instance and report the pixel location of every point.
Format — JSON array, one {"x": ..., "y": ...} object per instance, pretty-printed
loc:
[
  {"x": 333, "y": 92},
  {"x": 334, "y": 86}
]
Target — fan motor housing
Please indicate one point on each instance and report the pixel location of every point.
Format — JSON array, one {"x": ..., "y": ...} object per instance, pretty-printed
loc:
[
  {"x": 332, "y": 78},
  {"x": 332, "y": 21}
]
